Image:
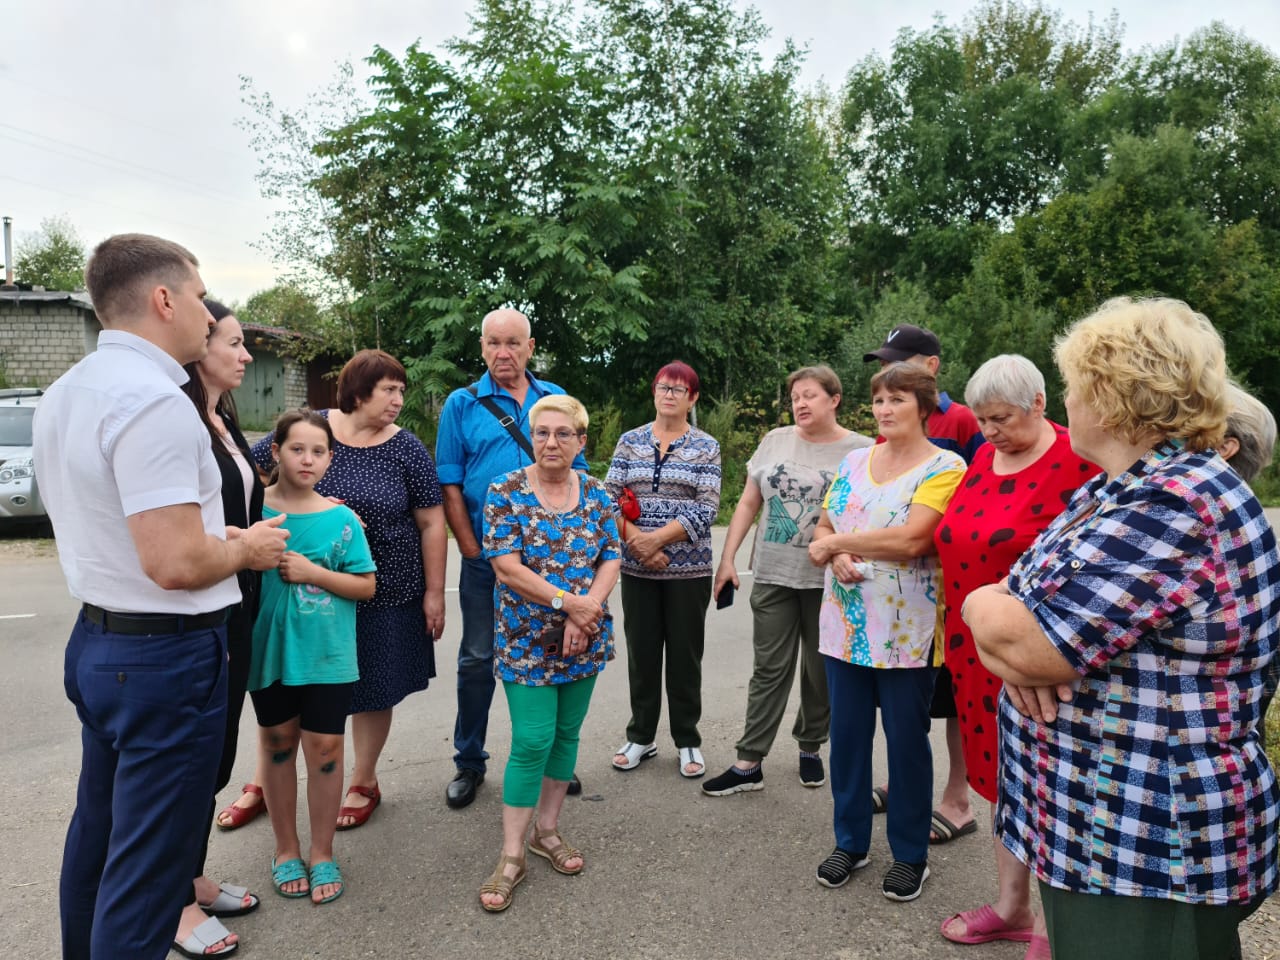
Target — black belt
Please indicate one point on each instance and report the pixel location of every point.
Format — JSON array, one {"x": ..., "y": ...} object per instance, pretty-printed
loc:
[{"x": 142, "y": 624}]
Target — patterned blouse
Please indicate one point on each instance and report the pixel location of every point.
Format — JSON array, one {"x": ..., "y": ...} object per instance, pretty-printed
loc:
[
  {"x": 1162, "y": 589},
  {"x": 565, "y": 549},
  {"x": 889, "y": 619},
  {"x": 684, "y": 485}
]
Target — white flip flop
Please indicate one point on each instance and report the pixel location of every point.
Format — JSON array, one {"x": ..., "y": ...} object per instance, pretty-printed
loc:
[
  {"x": 203, "y": 937},
  {"x": 634, "y": 752},
  {"x": 690, "y": 755}
]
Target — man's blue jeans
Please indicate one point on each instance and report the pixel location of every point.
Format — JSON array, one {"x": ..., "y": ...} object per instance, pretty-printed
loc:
[
  {"x": 475, "y": 663},
  {"x": 153, "y": 716}
]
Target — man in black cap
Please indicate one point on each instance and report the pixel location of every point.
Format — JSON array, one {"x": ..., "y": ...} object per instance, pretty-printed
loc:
[{"x": 951, "y": 426}]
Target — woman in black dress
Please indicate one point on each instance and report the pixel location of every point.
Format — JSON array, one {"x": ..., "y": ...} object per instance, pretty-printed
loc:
[
  {"x": 385, "y": 474},
  {"x": 209, "y": 387}
]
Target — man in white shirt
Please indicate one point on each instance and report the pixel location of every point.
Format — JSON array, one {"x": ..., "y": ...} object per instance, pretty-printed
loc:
[{"x": 129, "y": 479}]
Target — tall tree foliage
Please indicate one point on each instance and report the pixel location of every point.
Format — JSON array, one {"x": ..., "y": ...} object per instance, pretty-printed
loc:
[
  {"x": 1184, "y": 208},
  {"x": 636, "y": 177},
  {"x": 963, "y": 130}
]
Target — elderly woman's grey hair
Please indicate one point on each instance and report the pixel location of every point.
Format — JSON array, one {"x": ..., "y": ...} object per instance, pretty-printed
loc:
[
  {"x": 1009, "y": 378},
  {"x": 1253, "y": 428}
]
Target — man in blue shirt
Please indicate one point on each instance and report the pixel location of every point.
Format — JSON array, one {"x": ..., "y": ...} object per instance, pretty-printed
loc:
[{"x": 484, "y": 433}]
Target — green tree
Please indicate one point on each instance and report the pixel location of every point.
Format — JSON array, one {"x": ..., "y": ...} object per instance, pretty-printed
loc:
[
  {"x": 963, "y": 130},
  {"x": 293, "y": 309},
  {"x": 635, "y": 180},
  {"x": 53, "y": 257},
  {"x": 308, "y": 242}
]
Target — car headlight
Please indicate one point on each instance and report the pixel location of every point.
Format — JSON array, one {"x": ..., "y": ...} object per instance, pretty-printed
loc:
[{"x": 17, "y": 470}]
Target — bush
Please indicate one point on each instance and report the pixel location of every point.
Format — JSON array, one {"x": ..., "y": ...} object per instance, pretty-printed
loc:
[{"x": 738, "y": 440}]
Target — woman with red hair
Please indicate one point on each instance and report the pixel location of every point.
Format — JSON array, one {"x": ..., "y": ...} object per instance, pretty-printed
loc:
[{"x": 673, "y": 470}]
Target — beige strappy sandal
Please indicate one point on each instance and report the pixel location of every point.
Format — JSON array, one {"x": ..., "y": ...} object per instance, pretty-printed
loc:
[
  {"x": 501, "y": 884},
  {"x": 558, "y": 855}
]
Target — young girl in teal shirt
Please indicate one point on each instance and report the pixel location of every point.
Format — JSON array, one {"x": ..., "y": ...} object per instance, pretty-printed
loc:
[{"x": 304, "y": 654}]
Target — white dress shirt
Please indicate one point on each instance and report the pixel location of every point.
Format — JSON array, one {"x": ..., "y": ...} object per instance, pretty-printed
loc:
[{"x": 115, "y": 436}]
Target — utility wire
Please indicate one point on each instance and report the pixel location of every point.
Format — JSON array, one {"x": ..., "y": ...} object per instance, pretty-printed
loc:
[
  {"x": 115, "y": 163},
  {"x": 100, "y": 111},
  {"x": 203, "y": 228}
]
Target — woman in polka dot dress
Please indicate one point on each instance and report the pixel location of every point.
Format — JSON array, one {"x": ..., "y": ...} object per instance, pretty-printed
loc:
[
  {"x": 388, "y": 478},
  {"x": 1019, "y": 481}
]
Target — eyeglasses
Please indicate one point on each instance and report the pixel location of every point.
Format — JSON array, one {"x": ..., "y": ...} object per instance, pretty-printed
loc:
[
  {"x": 671, "y": 390},
  {"x": 543, "y": 435}
]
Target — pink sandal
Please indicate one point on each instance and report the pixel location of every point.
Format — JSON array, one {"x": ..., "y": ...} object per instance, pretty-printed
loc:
[
  {"x": 1038, "y": 949},
  {"x": 984, "y": 925}
]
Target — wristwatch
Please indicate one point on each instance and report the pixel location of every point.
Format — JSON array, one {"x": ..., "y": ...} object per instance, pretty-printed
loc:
[{"x": 557, "y": 602}]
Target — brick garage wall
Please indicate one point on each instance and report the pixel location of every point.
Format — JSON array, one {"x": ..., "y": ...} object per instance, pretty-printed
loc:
[
  {"x": 39, "y": 342},
  {"x": 295, "y": 384}
]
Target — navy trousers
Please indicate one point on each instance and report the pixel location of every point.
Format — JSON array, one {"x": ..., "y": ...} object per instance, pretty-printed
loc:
[
  {"x": 475, "y": 664},
  {"x": 904, "y": 697},
  {"x": 153, "y": 714}
]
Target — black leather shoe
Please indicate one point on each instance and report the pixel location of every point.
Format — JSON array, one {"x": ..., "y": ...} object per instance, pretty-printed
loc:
[
  {"x": 462, "y": 788},
  {"x": 575, "y": 786}
]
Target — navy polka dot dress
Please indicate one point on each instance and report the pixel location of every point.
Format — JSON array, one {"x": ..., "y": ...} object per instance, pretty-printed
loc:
[{"x": 384, "y": 484}]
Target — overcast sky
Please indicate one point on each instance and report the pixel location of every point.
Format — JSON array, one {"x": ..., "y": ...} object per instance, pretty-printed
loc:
[{"x": 121, "y": 116}]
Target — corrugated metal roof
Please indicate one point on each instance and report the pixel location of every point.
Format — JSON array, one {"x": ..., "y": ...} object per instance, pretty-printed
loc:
[{"x": 79, "y": 299}]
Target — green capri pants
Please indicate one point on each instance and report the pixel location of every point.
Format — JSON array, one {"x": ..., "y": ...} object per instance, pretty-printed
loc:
[{"x": 545, "y": 723}]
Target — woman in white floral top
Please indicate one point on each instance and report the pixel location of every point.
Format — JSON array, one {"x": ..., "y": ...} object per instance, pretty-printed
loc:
[{"x": 878, "y": 625}]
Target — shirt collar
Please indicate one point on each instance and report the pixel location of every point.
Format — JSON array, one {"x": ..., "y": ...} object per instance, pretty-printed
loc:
[
  {"x": 123, "y": 340},
  {"x": 1106, "y": 490},
  {"x": 487, "y": 386},
  {"x": 944, "y": 402}
]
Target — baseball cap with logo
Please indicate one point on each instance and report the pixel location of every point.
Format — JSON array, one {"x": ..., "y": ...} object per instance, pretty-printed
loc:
[{"x": 905, "y": 341}]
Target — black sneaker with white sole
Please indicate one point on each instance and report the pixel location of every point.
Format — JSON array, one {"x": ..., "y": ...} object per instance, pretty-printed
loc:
[
  {"x": 836, "y": 870},
  {"x": 904, "y": 881},
  {"x": 734, "y": 781},
  {"x": 812, "y": 773}
]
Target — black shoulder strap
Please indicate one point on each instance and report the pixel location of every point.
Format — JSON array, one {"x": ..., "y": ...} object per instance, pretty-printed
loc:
[{"x": 507, "y": 421}]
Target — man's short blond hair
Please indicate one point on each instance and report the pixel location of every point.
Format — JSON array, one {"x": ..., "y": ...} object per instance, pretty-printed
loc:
[
  {"x": 1149, "y": 366},
  {"x": 560, "y": 403},
  {"x": 125, "y": 268}
]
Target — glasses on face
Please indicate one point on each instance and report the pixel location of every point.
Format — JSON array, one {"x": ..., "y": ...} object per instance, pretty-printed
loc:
[
  {"x": 670, "y": 389},
  {"x": 543, "y": 435}
]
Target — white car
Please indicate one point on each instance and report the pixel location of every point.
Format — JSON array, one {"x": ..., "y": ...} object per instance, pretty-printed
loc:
[{"x": 19, "y": 496}]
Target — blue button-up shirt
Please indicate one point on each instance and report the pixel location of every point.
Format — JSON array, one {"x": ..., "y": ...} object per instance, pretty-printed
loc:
[{"x": 473, "y": 448}]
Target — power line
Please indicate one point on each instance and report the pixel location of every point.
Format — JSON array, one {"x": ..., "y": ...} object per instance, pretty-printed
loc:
[
  {"x": 118, "y": 164},
  {"x": 204, "y": 229},
  {"x": 100, "y": 111}
]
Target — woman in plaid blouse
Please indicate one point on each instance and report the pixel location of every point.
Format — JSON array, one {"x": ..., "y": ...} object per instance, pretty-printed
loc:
[{"x": 1133, "y": 637}]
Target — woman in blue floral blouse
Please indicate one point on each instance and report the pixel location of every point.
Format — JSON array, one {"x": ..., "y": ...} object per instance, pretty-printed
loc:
[
  {"x": 1132, "y": 637},
  {"x": 551, "y": 536},
  {"x": 671, "y": 470}
]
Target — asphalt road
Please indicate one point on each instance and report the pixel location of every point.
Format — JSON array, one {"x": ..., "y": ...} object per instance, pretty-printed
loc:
[{"x": 671, "y": 874}]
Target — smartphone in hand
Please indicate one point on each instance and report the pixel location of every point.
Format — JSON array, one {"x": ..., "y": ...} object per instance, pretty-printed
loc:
[
  {"x": 552, "y": 641},
  {"x": 725, "y": 599}
]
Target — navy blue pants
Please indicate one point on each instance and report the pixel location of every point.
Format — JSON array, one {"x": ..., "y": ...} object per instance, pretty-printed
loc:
[
  {"x": 904, "y": 697},
  {"x": 152, "y": 712},
  {"x": 475, "y": 664}
]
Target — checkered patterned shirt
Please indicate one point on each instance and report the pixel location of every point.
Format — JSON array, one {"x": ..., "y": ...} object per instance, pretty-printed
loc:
[{"x": 1162, "y": 588}]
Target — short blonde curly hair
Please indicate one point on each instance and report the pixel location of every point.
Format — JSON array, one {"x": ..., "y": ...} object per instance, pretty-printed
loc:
[
  {"x": 571, "y": 407},
  {"x": 1149, "y": 366}
]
